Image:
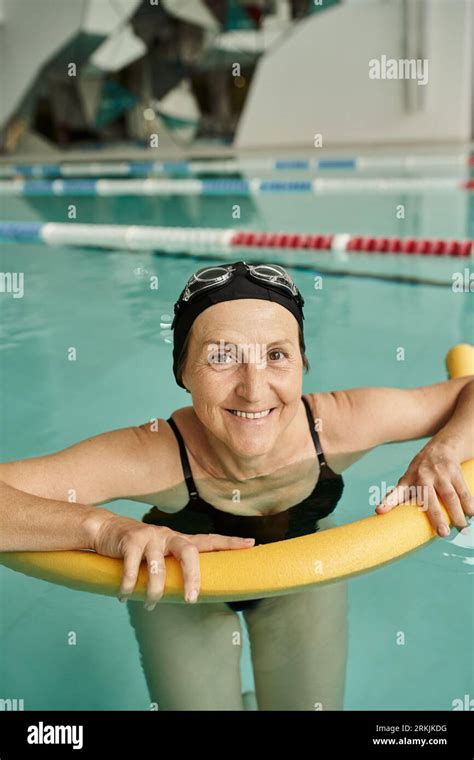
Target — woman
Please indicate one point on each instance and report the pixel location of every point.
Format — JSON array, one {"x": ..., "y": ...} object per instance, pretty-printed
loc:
[{"x": 250, "y": 458}]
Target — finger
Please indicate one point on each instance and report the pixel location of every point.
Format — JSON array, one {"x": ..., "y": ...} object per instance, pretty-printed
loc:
[
  {"x": 156, "y": 575},
  {"x": 424, "y": 495},
  {"x": 131, "y": 565},
  {"x": 435, "y": 514},
  {"x": 450, "y": 499},
  {"x": 212, "y": 542},
  {"x": 188, "y": 555},
  {"x": 465, "y": 497},
  {"x": 392, "y": 498}
]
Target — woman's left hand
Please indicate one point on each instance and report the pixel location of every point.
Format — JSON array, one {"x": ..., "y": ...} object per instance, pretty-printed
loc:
[{"x": 435, "y": 473}]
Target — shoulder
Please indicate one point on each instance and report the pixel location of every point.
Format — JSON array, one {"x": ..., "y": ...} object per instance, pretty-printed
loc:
[
  {"x": 326, "y": 408},
  {"x": 158, "y": 441},
  {"x": 142, "y": 463},
  {"x": 124, "y": 463},
  {"x": 157, "y": 438},
  {"x": 332, "y": 415}
]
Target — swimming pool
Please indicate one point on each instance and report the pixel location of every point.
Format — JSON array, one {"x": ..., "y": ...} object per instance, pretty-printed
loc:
[{"x": 100, "y": 303}]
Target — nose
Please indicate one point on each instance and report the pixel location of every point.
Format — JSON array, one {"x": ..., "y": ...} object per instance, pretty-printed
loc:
[{"x": 252, "y": 381}]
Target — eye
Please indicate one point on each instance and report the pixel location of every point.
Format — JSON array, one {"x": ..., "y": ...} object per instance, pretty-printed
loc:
[
  {"x": 277, "y": 351},
  {"x": 223, "y": 358}
]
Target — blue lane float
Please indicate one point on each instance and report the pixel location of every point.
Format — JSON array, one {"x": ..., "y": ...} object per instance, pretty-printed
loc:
[
  {"x": 228, "y": 187},
  {"x": 21, "y": 231},
  {"x": 193, "y": 168}
]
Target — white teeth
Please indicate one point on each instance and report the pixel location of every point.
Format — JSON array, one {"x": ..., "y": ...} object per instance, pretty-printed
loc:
[{"x": 250, "y": 415}]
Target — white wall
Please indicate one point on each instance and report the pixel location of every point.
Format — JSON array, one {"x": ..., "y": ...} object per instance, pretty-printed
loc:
[
  {"x": 32, "y": 30},
  {"x": 316, "y": 80}
]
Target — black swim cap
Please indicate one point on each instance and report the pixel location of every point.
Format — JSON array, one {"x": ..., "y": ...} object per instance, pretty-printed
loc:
[{"x": 240, "y": 285}]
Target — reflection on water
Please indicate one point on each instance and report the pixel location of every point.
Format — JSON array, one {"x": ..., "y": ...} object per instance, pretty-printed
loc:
[{"x": 463, "y": 543}]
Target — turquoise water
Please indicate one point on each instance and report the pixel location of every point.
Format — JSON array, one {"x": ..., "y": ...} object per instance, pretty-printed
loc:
[{"x": 99, "y": 303}]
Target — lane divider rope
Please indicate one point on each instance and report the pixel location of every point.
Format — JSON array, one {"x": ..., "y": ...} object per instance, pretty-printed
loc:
[
  {"x": 225, "y": 187},
  {"x": 144, "y": 168},
  {"x": 178, "y": 239}
]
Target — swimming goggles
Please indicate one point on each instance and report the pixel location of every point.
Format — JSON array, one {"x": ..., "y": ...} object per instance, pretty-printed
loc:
[{"x": 209, "y": 278}]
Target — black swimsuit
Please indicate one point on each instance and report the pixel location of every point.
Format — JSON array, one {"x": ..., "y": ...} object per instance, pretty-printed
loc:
[{"x": 200, "y": 517}]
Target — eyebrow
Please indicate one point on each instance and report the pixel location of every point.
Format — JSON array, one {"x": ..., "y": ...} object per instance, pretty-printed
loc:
[{"x": 269, "y": 345}]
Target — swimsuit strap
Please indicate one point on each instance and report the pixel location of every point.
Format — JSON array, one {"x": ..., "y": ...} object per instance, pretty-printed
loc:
[
  {"x": 314, "y": 435},
  {"x": 192, "y": 490}
]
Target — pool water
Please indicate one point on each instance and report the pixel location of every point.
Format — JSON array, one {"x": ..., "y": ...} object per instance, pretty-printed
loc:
[{"x": 100, "y": 304}]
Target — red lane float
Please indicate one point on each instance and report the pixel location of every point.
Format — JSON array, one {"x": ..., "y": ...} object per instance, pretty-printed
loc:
[{"x": 352, "y": 243}]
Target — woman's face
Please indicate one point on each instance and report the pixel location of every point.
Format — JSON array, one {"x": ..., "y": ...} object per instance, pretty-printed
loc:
[{"x": 244, "y": 356}]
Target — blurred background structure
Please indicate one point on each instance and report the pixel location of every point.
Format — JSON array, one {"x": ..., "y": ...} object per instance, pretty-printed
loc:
[{"x": 176, "y": 75}]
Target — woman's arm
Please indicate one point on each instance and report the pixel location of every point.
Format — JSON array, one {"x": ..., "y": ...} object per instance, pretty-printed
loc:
[
  {"x": 32, "y": 523},
  {"x": 435, "y": 472},
  {"x": 458, "y": 432},
  {"x": 362, "y": 418},
  {"x": 49, "y": 502}
]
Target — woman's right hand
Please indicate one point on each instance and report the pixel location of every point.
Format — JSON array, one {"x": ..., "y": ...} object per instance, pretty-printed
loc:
[{"x": 135, "y": 541}]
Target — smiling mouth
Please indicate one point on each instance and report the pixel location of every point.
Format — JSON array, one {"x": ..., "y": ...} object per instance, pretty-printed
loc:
[{"x": 251, "y": 415}]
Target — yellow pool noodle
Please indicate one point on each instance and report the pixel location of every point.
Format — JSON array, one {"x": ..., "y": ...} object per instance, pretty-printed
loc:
[{"x": 270, "y": 569}]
